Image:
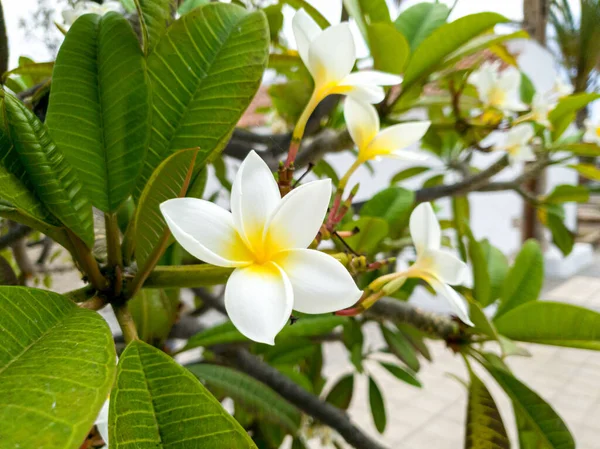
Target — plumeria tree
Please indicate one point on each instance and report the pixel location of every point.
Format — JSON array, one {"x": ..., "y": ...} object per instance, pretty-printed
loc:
[{"x": 106, "y": 151}]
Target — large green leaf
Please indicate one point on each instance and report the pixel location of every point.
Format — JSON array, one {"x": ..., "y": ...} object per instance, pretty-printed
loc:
[
  {"x": 204, "y": 71},
  {"x": 157, "y": 403},
  {"x": 589, "y": 171},
  {"x": 484, "y": 427},
  {"x": 366, "y": 12},
  {"x": 564, "y": 113},
  {"x": 482, "y": 285},
  {"x": 524, "y": 280},
  {"x": 445, "y": 40},
  {"x": 56, "y": 369},
  {"x": 389, "y": 47},
  {"x": 170, "y": 180},
  {"x": 567, "y": 193},
  {"x": 54, "y": 180},
  {"x": 248, "y": 392},
  {"x": 480, "y": 43},
  {"x": 154, "y": 312},
  {"x": 420, "y": 20},
  {"x": 370, "y": 232},
  {"x": 497, "y": 266},
  {"x": 539, "y": 415},
  {"x": 394, "y": 205},
  {"x": 99, "y": 111},
  {"x": 156, "y": 15},
  {"x": 552, "y": 323}
]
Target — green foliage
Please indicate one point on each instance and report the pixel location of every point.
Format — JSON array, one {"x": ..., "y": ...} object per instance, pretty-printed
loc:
[
  {"x": 199, "y": 89},
  {"x": 56, "y": 369},
  {"x": 402, "y": 374},
  {"x": 420, "y": 20},
  {"x": 377, "y": 405},
  {"x": 389, "y": 47},
  {"x": 484, "y": 423},
  {"x": 164, "y": 394},
  {"x": 401, "y": 348},
  {"x": 564, "y": 113},
  {"x": 340, "y": 394},
  {"x": 394, "y": 205},
  {"x": 100, "y": 107},
  {"x": 154, "y": 312},
  {"x": 408, "y": 173},
  {"x": 588, "y": 171},
  {"x": 497, "y": 266},
  {"x": 253, "y": 395},
  {"x": 154, "y": 18},
  {"x": 482, "y": 284},
  {"x": 552, "y": 323},
  {"x": 371, "y": 231},
  {"x": 567, "y": 193},
  {"x": 367, "y": 12},
  {"x": 524, "y": 280}
]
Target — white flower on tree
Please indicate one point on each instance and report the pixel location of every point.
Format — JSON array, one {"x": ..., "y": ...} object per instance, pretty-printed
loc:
[
  {"x": 89, "y": 7},
  {"x": 541, "y": 106},
  {"x": 265, "y": 238},
  {"x": 592, "y": 131},
  {"x": 364, "y": 128},
  {"x": 516, "y": 142},
  {"x": 330, "y": 55},
  {"x": 498, "y": 89},
  {"x": 438, "y": 267}
]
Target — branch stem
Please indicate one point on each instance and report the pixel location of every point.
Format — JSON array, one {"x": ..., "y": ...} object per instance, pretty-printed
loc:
[
  {"x": 125, "y": 321},
  {"x": 113, "y": 241}
]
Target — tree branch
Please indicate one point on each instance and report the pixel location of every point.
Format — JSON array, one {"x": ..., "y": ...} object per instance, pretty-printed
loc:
[
  {"x": 15, "y": 233},
  {"x": 305, "y": 401}
]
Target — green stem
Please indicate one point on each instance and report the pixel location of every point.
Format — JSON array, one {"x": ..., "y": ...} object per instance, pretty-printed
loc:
[
  {"x": 126, "y": 322},
  {"x": 344, "y": 179},
  {"x": 299, "y": 129},
  {"x": 187, "y": 276},
  {"x": 88, "y": 263},
  {"x": 113, "y": 241}
]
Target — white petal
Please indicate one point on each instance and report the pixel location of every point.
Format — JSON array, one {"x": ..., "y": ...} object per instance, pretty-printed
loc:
[
  {"x": 296, "y": 221},
  {"x": 321, "y": 284},
  {"x": 523, "y": 153},
  {"x": 447, "y": 267},
  {"x": 305, "y": 30},
  {"x": 509, "y": 80},
  {"x": 206, "y": 231},
  {"x": 254, "y": 197},
  {"x": 484, "y": 80},
  {"x": 332, "y": 55},
  {"x": 259, "y": 301},
  {"x": 102, "y": 422},
  {"x": 520, "y": 134},
  {"x": 457, "y": 302},
  {"x": 371, "y": 77},
  {"x": 397, "y": 137},
  {"x": 425, "y": 229},
  {"x": 362, "y": 121},
  {"x": 365, "y": 93}
]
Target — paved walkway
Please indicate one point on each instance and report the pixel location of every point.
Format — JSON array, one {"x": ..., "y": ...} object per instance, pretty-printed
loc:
[{"x": 434, "y": 417}]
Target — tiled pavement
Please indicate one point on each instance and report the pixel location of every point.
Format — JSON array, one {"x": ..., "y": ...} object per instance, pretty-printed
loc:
[{"x": 433, "y": 417}]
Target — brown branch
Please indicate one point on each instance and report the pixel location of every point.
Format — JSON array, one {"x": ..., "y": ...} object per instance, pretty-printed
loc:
[{"x": 15, "y": 233}]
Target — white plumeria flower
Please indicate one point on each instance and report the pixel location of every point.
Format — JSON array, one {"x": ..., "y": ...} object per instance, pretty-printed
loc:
[
  {"x": 89, "y": 7},
  {"x": 592, "y": 132},
  {"x": 364, "y": 128},
  {"x": 540, "y": 108},
  {"x": 516, "y": 142},
  {"x": 330, "y": 55},
  {"x": 562, "y": 89},
  {"x": 498, "y": 89},
  {"x": 265, "y": 238},
  {"x": 436, "y": 266},
  {"x": 102, "y": 422}
]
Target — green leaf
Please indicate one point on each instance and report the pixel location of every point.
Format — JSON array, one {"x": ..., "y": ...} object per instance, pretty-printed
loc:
[
  {"x": 543, "y": 420},
  {"x": 408, "y": 173},
  {"x": 414, "y": 335},
  {"x": 481, "y": 321},
  {"x": 420, "y": 20},
  {"x": 154, "y": 312},
  {"x": 170, "y": 180},
  {"x": 389, "y": 47},
  {"x": 311, "y": 11},
  {"x": 588, "y": 171},
  {"x": 445, "y": 40},
  {"x": 37, "y": 71},
  {"x": 484, "y": 427},
  {"x": 367, "y": 12},
  {"x": 527, "y": 89},
  {"x": 371, "y": 231},
  {"x": 552, "y": 323},
  {"x": 157, "y": 403},
  {"x": 497, "y": 266},
  {"x": 568, "y": 193},
  {"x": 394, "y": 205},
  {"x": 204, "y": 73},
  {"x": 156, "y": 15},
  {"x": 188, "y": 5},
  {"x": 57, "y": 366},
  {"x": 99, "y": 109},
  {"x": 401, "y": 348},
  {"x": 562, "y": 237},
  {"x": 55, "y": 181},
  {"x": 340, "y": 394},
  {"x": 401, "y": 373},
  {"x": 253, "y": 395},
  {"x": 579, "y": 149},
  {"x": 482, "y": 284},
  {"x": 524, "y": 280},
  {"x": 564, "y": 113},
  {"x": 290, "y": 351},
  {"x": 377, "y": 406},
  {"x": 323, "y": 169}
]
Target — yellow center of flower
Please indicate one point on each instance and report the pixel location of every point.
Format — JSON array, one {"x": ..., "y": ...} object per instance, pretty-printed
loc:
[
  {"x": 256, "y": 248},
  {"x": 496, "y": 96},
  {"x": 598, "y": 131}
]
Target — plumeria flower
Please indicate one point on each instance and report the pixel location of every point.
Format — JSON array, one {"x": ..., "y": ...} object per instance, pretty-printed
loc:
[
  {"x": 540, "y": 108},
  {"x": 102, "y": 423},
  {"x": 265, "y": 239},
  {"x": 592, "y": 132},
  {"x": 330, "y": 55},
  {"x": 364, "y": 128},
  {"x": 562, "y": 89},
  {"x": 516, "y": 142},
  {"x": 436, "y": 266},
  {"x": 498, "y": 89},
  {"x": 87, "y": 7}
]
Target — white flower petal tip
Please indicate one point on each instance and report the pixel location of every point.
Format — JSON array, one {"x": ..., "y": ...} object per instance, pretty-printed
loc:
[
  {"x": 498, "y": 89},
  {"x": 516, "y": 142},
  {"x": 265, "y": 239},
  {"x": 425, "y": 229}
]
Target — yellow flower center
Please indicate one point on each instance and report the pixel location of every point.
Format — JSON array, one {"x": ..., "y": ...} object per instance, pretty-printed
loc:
[
  {"x": 496, "y": 97},
  {"x": 598, "y": 131}
]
